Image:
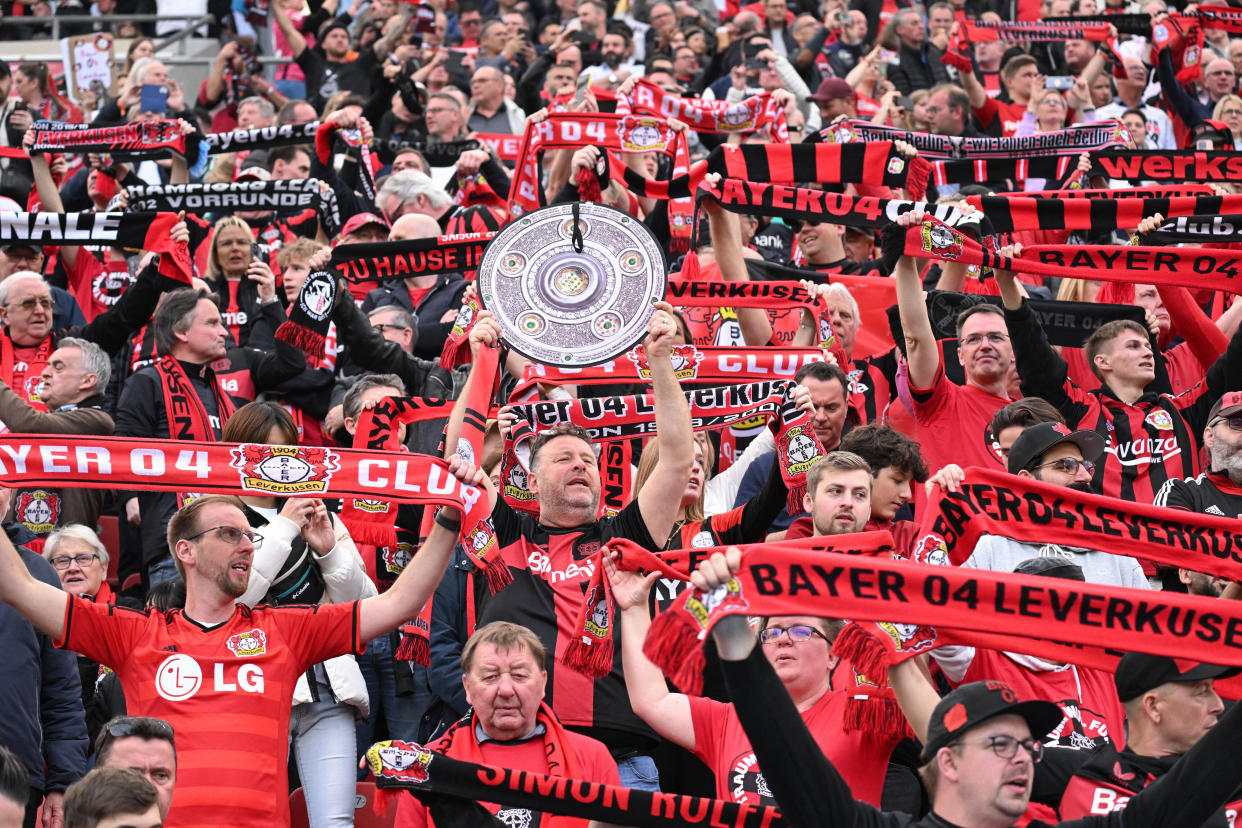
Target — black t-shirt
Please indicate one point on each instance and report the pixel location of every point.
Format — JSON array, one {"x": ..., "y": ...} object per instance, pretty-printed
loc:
[{"x": 324, "y": 78}]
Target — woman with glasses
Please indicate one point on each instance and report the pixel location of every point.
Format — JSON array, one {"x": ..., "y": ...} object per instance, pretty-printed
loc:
[
  {"x": 1229, "y": 112},
  {"x": 81, "y": 563},
  {"x": 297, "y": 561}
]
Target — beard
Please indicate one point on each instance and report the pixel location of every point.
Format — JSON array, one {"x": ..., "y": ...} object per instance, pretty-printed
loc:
[{"x": 1080, "y": 486}]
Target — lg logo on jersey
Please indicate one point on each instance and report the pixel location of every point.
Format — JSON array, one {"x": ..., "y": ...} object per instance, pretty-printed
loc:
[{"x": 179, "y": 677}]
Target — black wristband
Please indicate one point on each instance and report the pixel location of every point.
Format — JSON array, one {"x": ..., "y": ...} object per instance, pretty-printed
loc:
[{"x": 451, "y": 525}]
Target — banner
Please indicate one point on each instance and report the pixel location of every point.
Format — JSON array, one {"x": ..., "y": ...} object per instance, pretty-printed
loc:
[
  {"x": 1073, "y": 140},
  {"x": 261, "y": 137},
  {"x": 232, "y": 196},
  {"x": 371, "y": 261},
  {"x": 135, "y": 140}
]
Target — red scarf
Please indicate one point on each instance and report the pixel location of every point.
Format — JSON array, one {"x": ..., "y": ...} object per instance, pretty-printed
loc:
[
  {"x": 773, "y": 295},
  {"x": 187, "y": 416},
  {"x": 720, "y": 117}
]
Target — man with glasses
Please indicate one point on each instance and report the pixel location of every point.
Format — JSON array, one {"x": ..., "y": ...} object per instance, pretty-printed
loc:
[
  {"x": 490, "y": 110},
  {"x": 1218, "y": 491},
  {"x": 145, "y": 745},
  {"x": 470, "y": 26},
  {"x": 798, "y": 647},
  {"x": 219, "y": 672}
]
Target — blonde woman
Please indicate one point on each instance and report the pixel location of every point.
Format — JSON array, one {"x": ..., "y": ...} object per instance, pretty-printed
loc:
[{"x": 242, "y": 281}]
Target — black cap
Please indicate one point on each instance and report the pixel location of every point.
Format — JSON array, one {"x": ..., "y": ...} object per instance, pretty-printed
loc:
[
  {"x": 1052, "y": 566},
  {"x": 979, "y": 701},
  {"x": 1139, "y": 672},
  {"x": 1035, "y": 441}
]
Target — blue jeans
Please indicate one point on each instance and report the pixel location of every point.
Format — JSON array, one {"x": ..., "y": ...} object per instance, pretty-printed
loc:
[
  {"x": 294, "y": 90},
  {"x": 402, "y": 712},
  {"x": 639, "y": 772},
  {"x": 324, "y": 744},
  {"x": 162, "y": 570}
]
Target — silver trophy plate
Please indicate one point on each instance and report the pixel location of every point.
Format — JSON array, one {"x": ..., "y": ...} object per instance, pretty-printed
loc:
[{"x": 573, "y": 299}]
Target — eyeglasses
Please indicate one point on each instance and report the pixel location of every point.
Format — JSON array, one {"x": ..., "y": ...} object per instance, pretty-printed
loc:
[
  {"x": 33, "y": 302},
  {"x": 382, "y": 326},
  {"x": 232, "y": 535},
  {"x": 61, "y": 562},
  {"x": 1225, "y": 112},
  {"x": 435, "y": 110},
  {"x": 1234, "y": 421},
  {"x": 994, "y": 337},
  {"x": 1006, "y": 747},
  {"x": 797, "y": 633},
  {"x": 1069, "y": 465}
]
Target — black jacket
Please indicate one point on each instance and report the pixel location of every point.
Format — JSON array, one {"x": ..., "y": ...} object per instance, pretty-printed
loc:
[
  {"x": 445, "y": 296},
  {"x": 918, "y": 68}
]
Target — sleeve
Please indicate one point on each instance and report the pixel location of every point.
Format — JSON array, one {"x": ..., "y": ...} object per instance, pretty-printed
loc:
[
  {"x": 752, "y": 480},
  {"x": 749, "y": 522},
  {"x": 1178, "y": 103},
  {"x": 629, "y": 524},
  {"x": 101, "y": 632},
  {"x": 707, "y": 717},
  {"x": 344, "y": 574},
  {"x": 928, "y": 401},
  {"x": 808, "y": 789},
  {"x": 371, "y": 351},
  {"x": 1175, "y": 494},
  {"x": 278, "y": 537},
  {"x": 20, "y": 418},
  {"x": 135, "y": 412},
  {"x": 448, "y": 638},
  {"x": 722, "y": 489},
  {"x": 986, "y": 113},
  {"x": 1043, "y": 372},
  {"x": 1225, "y": 374},
  {"x": 62, "y": 717},
  {"x": 314, "y": 634},
  {"x": 269, "y": 369}
]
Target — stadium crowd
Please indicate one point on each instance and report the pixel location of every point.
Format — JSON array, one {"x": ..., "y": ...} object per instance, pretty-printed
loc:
[{"x": 950, "y": 288}]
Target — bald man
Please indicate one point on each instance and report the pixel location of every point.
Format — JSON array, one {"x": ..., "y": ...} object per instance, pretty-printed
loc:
[{"x": 434, "y": 298}]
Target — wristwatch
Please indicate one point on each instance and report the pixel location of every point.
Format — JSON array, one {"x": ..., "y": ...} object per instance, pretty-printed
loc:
[{"x": 612, "y": 78}]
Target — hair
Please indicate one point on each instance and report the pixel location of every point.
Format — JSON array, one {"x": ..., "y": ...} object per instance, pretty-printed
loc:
[
  {"x": 1217, "y": 110},
  {"x": 129, "y": 54},
  {"x": 94, "y": 360},
  {"x": 38, "y": 71},
  {"x": 14, "y": 779},
  {"x": 1143, "y": 117},
  {"x": 140, "y": 727},
  {"x": 982, "y": 307},
  {"x": 266, "y": 108},
  {"x": 408, "y": 185},
  {"x": 1104, "y": 336},
  {"x": 835, "y": 461},
  {"x": 403, "y": 318},
  {"x": 1014, "y": 64},
  {"x": 958, "y": 99},
  {"x": 651, "y": 456},
  {"x": 930, "y": 774},
  {"x": 503, "y": 636},
  {"x": 288, "y": 112},
  {"x": 823, "y": 372},
  {"x": 298, "y": 250},
  {"x": 287, "y": 154},
  {"x": 1025, "y": 413},
  {"x": 561, "y": 430},
  {"x": 78, "y": 532},
  {"x": 139, "y": 69},
  {"x": 175, "y": 314},
  {"x": 184, "y": 522},
  {"x": 107, "y": 792},
  {"x": 341, "y": 100},
  {"x": 7, "y": 283},
  {"x": 166, "y": 595},
  {"x": 1073, "y": 290},
  {"x": 882, "y": 446},
  {"x": 254, "y": 421},
  {"x": 351, "y": 405},
  {"x": 213, "y": 259}
]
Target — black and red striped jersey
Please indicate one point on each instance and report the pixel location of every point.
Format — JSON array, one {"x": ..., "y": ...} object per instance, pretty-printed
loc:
[
  {"x": 475, "y": 219},
  {"x": 1211, "y": 493}
]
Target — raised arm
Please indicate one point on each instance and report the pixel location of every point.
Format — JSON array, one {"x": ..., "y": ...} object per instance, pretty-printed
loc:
[
  {"x": 668, "y": 713},
  {"x": 922, "y": 355},
  {"x": 660, "y": 498},
  {"x": 41, "y": 604},
  {"x": 727, "y": 245},
  {"x": 49, "y": 194},
  {"x": 297, "y": 43}
]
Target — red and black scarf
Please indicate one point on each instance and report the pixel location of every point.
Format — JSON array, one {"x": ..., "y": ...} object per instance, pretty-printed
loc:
[
  {"x": 261, "y": 137},
  {"x": 718, "y": 117},
  {"x": 187, "y": 416},
  {"x": 1072, "y": 140},
  {"x": 140, "y": 139},
  {"x": 140, "y": 231},
  {"x": 1008, "y": 214},
  {"x": 371, "y": 261},
  {"x": 29, "y": 390}
]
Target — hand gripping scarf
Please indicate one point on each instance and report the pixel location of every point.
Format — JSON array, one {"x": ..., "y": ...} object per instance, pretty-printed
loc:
[
  {"x": 1073, "y": 140},
  {"x": 137, "y": 140},
  {"x": 774, "y": 580},
  {"x": 236, "y": 468},
  {"x": 456, "y": 350},
  {"x": 1007, "y": 215},
  {"x": 719, "y": 117},
  {"x": 1198, "y": 228},
  {"x": 1181, "y": 266},
  {"x": 877, "y": 163},
  {"x": 371, "y": 261},
  {"x": 141, "y": 231},
  {"x": 232, "y": 196},
  {"x": 610, "y": 419},
  {"x": 690, "y": 365},
  {"x": 261, "y": 137},
  {"x": 405, "y": 766}
]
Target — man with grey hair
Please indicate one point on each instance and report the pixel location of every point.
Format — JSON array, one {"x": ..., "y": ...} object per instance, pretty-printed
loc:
[
  {"x": 410, "y": 191},
  {"x": 72, "y": 387},
  {"x": 490, "y": 110}
]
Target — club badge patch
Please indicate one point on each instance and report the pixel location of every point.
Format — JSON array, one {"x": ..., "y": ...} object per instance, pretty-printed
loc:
[
  {"x": 285, "y": 469},
  {"x": 247, "y": 644}
]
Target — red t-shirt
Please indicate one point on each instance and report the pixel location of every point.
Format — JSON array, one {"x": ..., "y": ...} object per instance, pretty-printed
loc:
[
  {"x": 1009, "y": 113},
  {"x": 594, "y": 762},
  {"x": 97, "y": 286},
  {"x": 227, "y": 691},
  {"x": 720, "y": 742},
  {"x": 953, "y": 424}
]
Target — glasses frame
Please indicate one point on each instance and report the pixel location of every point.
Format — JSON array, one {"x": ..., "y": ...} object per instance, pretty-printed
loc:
[
  {"x": 1089, "y": 465},
  {"x": 777, "y": 632},
  {"x": 998, "y": 745},
  {"x": 77, "y": 559},
  {"x": 254, "y": 537}
]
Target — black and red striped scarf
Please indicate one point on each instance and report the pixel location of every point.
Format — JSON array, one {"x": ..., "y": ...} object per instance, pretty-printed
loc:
[
  {"x": 1198, "y": 267},
  {"x": 140, "y": 231},
  {"x": 139, "y": 139},
  {"x": 1073, "y": 140},
  {"x": 768, "y": 295},
  {"x": 976, "y": 31},
  {"x": 371, "y": 261},
  {"x": 187, "y": 416},
  {"x": 1010, "y": 214},
  {"x": 1160, "y": 166}
]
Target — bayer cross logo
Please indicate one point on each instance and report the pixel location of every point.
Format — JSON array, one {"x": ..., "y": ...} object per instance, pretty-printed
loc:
[
  {"x": 285, "y": 469},
  {"x": 802, "y": 449}
]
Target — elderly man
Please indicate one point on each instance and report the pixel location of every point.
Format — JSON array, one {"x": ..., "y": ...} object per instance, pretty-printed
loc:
[
  {"x": 72, "y": 385},
  {"x": 232, "y": 666},
  {"x": 503, "y": 671},
  {"x": 410, "y": 191},
  {"x": 144, "y": 745},
  {"x": 490, "y": 110}
]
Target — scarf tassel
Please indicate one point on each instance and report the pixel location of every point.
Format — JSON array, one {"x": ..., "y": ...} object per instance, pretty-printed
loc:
[
  {"x": 863, "y": 651},
  {"x": 674, "y": 645},
  {"x": 590, "y": 657},
  {"x": 588, "y": 185},
  {"x": 370, "y": 532},
  {"x": 413, "y": 647},
  {"x": 497, "y": 574},
  {"x": 793, "y": 503},
  {"x": 916, "y": 180},
  {"x": 312, "y": 343},
  {"x": 875, "y": 713}
]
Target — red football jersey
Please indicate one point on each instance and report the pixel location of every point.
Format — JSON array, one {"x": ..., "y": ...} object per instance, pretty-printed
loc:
[{"x": 227, "y": 691}]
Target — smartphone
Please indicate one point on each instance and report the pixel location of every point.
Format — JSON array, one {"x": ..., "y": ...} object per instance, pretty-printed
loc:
[
  {"x": 256, "y": 252},
  {"x": 584, "y": 81},
  {"x": 843, "y": 18},
  {"x": 453, "y": 63},
  {"x": 154, "y": 98},
  {"x": 751, "y": 48},
  {"x": 1059, "y": 82}
]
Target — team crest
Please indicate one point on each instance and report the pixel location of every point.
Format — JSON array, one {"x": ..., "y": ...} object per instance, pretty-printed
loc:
[
  {"x": 931, "y": 549},
  {"x": 481, "y": 540},
  {"x": 728, "y": 594},
  {"x": 284, "y": 469},
  {"x": 516, "y": 481},
  {"x": 685, "y": 359},
  {"x": 841, "y": 134},
  {"x": 641, "y": 134},
  {"x": 159, "y": 132},
  {"x": 109, "y": 285},
  {"x": 861, "y": 680},
  {"x": 515, "y": 817},
  {"x": 940, "y": 240},
  {"x": 908, "y": 637},
  {"x": 737, "y": 118},
  {"x": 896, "y": 165},
  {"x": 38, "y": 510},
  {"x": 702, "y": 540},
  {"x": 1159, "y": 419},
  {"x": 1191, "y": 55},
  {"x": 465, "y": 318},
  {"x": 375, "y": 507},
  {"x": 827, "y": 336},
  {"x": 397, "y": 557},
  {"x": 394, "y": 759},
  {"x": 250, "y": 643},
  {"x": 599, "y": 623},
  {"x": 318, "y": 296},
  {"x": 800, "y": 449},
  {"x": 34, "y": 389}
]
